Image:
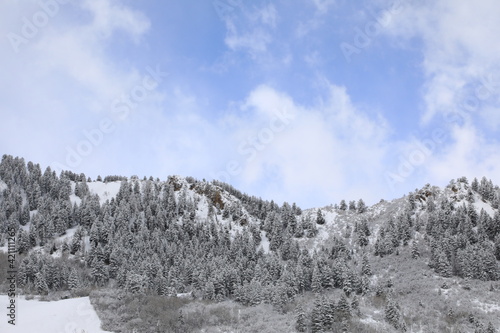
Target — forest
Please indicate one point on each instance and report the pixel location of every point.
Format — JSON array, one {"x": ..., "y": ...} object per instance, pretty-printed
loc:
[{"x": 187, "y": 240}]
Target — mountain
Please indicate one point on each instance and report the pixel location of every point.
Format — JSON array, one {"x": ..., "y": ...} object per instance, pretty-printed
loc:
[{"x": 198, "y": 256}]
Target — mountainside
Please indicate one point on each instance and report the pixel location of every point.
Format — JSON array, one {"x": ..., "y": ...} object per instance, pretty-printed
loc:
[{"x": 185, "y": 253}]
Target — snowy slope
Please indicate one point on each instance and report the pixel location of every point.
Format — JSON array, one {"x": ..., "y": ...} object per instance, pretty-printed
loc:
[
  {"x": 65, "y": 316},
  {"x": 105, "y": 191},
  {"x": 3, "y": 186}
]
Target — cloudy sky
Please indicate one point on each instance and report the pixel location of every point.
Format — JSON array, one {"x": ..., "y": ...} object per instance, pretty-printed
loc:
[{"x": 307, "y": 101}]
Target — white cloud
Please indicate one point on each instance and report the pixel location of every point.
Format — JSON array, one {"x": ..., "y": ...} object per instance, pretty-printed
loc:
[
  {"x": 62, "y": 79},
  {"x": 322, "y": 6},
  {"x": 317, "y": 155},
  {"x": 460, "y": 63},
  {"x": 251, "y": 30},
  {"x": 111, "y": 15},
  {"x": 459, "y": 47},
  {"x": 255, "y": 42},
  {"x": 471, "y": 155}
]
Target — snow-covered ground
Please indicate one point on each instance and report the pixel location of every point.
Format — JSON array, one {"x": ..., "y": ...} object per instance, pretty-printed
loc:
[
  {"x": 66, "y": 316},
  {"x": 3, "y": 186},
  {"x": 105, "y": 191}
]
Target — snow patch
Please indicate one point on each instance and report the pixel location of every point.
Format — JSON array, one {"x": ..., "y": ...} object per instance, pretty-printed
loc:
[
  {"x": 487, "y": 307},
  {"x": 3, "y": 186},
  {"x": 479, "y": 205},
  {"x": 70, "y": 315},
  {"x": 105, "y": 191},
  {"x": 264, "y": 243}
]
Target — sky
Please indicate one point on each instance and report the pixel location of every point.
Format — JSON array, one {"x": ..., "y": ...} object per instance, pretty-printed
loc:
[{"x": 306, "y": 101}]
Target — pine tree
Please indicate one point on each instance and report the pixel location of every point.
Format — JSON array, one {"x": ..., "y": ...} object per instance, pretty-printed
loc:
[
  {"x": 301, "y": 320},
  {"x": 317, "y": 316},
  {"x": 392, "y": 313},
  {"x": 475, "y": 185},
  {"x": 355, "y": 304},
  {"x": 343, "y": 205},
  {"x": 73, "y": 281},
  {"x": 365, "y": 266},
  {"x": 443, "y": 266},
  {"x": 361, "y": 206},
  {"x": 328, "y": 313},
  {"x": 316, "y": 279},
  {"x": 181, "y": 323},
  {"x": 319, "y": 217},
  {"x": 41, "y": 284},
  {"x": 414, "y": 250},
  {"x": 343, "y": 308}
]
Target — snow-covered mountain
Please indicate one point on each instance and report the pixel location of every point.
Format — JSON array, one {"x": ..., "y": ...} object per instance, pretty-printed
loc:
[{"x": 396, "y": 265}]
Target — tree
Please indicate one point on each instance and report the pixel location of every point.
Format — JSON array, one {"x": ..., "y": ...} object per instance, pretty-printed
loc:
[
  {"x": 363, "y": 233},
  {"x": 414, "y": 250},
  {"x": 392, "y": 313},
  {"x": 317, "y": 316},
  {"x": 355, "y": 304},
  {"x": 361, "y": 206},
  {"x": 316, "y": 279},
  {"x": 352, "y": 206},
  {"x": 343, "y": 205},
  {"x": 475, "y": 185},
  {"x": 41, "y": 284},
  {"x": 365, "y": 266},
  {"x": 301, "y": 320},
  {"x": 319, "y": 217},
  {"x": 73, "y": 281},
  {"x": 443, "y": 266},
  {"x": 343, "y": 308}
]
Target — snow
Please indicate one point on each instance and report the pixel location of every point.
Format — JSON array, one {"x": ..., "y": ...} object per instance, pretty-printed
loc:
[
  {"x": 75, "y": 199},
  {"x": 3, "y": 186},
  {"x": 264, "y": 243},
  {"x": 479, "y": 204},
  {"x": 369, "y": 320},
  {"x": 487, "y": 307},
  {"x": 64, "y": 316},
  {"x": 67, "y": 237},
  {"x": 105, "y": 191}
]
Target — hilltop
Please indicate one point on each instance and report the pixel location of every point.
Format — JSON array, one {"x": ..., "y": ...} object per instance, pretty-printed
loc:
[{"x": 199, "y": 256}]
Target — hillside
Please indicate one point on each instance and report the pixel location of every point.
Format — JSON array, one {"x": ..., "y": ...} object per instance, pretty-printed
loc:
[{"x": 198, "y": 256}]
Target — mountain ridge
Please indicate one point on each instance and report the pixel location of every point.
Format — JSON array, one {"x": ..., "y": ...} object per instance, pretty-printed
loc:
[{"x": 330, "y": 268}]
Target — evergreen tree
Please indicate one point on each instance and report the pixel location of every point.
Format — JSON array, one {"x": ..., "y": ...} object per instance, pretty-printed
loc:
[
  {"x": 343, "y": 205},
  {"x": 73, "y": 281},
  {"x": 317, "y": 316},
  {"x": 41, "y": 284},
  {"x": 316, "y": 279},
  {"x": 319, "y": 217},
  {"x": 343, "y": 308},
  {"x": 414, "y": 250},
  {"x": 365, "y": 266},
  {"x": 301, "y": 320},
  {"x": 361, "y": 206},
  {"x": 392, "y": 313}
]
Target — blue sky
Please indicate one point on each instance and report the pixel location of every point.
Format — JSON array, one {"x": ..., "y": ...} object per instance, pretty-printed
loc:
[{"x": 307, "y": 101}]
